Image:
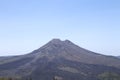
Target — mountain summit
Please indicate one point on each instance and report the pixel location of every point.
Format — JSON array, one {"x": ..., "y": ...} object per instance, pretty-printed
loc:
[{"x": 61, "y": 59}]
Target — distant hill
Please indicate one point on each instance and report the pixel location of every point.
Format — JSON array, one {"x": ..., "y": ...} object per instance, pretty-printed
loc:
[{"x": 59, "y": 59}]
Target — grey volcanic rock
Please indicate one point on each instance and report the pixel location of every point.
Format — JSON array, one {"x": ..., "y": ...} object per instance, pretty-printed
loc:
[{"x": 59, "y": 58}]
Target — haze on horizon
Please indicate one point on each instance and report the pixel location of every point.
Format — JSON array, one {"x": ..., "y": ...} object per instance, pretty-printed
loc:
[{"x": 26, "y": 25}]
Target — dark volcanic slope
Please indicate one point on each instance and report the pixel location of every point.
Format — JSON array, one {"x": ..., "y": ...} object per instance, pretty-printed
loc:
[
  {"x": 62, "y": 59},
  {"x": 118, "y": 56}
]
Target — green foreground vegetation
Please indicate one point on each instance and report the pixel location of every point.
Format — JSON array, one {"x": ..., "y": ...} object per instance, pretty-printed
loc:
[
  {"x": 109, "y": 76},
  {"x": 13, "y": 79}
]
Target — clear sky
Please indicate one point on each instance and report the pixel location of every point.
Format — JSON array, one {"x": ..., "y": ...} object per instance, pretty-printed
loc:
[{"x": 26, "y": 25}]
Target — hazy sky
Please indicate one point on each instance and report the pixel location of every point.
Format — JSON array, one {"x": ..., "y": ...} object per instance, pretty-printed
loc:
[{"x": 26, "y": 25}]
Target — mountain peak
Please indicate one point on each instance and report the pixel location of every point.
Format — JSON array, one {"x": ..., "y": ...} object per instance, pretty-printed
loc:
[
  {"x": 55, "y": 40},
  {"x": 60, "y": 41},
  {"x": 54, "y": 45}
]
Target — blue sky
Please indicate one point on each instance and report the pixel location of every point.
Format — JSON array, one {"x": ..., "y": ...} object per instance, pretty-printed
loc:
[{"x": 26, "y": 25}]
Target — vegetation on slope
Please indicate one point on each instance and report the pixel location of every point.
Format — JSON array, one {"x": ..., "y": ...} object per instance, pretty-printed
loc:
[{"x": 109, "y": 76}]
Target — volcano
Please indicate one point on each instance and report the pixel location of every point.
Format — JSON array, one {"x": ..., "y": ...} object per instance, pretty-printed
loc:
[{"x": 63, "y": 60}]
